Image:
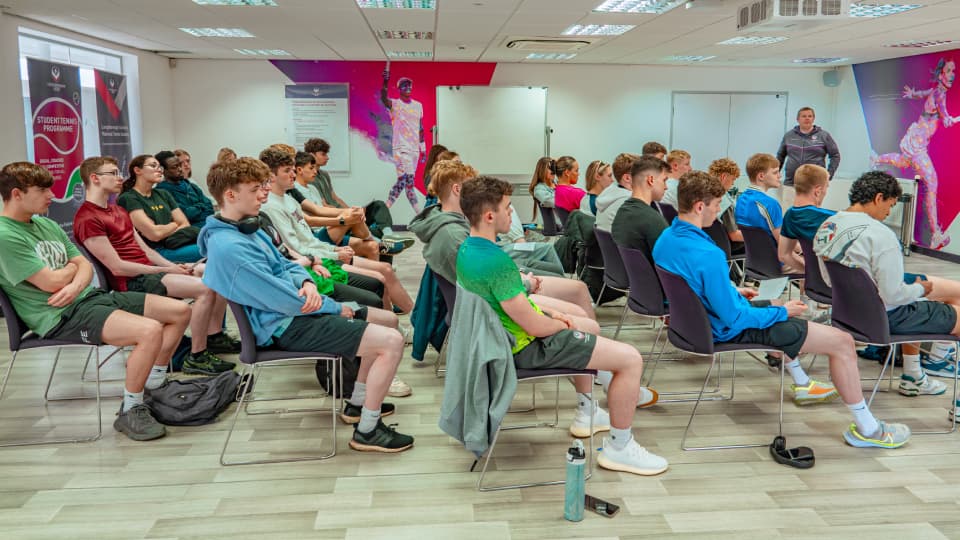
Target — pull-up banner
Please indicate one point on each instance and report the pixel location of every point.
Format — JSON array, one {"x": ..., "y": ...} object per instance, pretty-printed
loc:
[
  {"x": 57, "y": 132},
  {"x": 112, "y": 116}
]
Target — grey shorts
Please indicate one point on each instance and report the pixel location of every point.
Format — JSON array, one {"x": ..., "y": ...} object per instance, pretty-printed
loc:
[
  {"x": 925, "y": 317},
  {"x": 83, "y": 320},
  {"x": 787, "y": 336},
  {"x": 148, "y": 283},
  {"x": 566, "y": 349}
]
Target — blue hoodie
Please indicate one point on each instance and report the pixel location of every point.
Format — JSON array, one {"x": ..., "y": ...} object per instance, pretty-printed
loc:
[
  {"x": 685, "y": 250},
  {"x": 247, "y": 269}
]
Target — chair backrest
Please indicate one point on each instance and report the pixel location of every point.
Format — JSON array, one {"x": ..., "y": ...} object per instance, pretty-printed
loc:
[
  {"x": 449, "y": 292},
  {"x": 549, "y": 220},
  {"x": 813, "y": 280},
  {"x": 857, "y": 306},
  {"x": 718, "y": 234},
  {"x": 646, "y": 294},
  {"x": 614, "y": 273},
  {"x": 689, "y": 325},
  {"x": 762, "y": 257},
  {"x": 563, "y": 215},
  {"x": 16, "y": 328},
  {"x": 98, "y": 267},
  {"x": 248, "y": 340},
  {"x": 667, "y": 211}
]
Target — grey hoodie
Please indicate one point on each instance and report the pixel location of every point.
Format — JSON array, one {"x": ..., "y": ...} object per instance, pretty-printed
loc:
[
  {"x": 441, "y": 233},
  {"x": 608, "y": 202},
  {"x": 798, "y": 148}
]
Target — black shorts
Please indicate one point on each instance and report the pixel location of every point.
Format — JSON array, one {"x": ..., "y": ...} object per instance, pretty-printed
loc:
[
  {"x": 787, "y": 336},
  {"x": 84, "y": 319},
  {"x": 328, "y": 334},
  {"x": 924, "y": 317},
  {"x": 566, "y": 349},
  {"x": 148, "y": 283}
]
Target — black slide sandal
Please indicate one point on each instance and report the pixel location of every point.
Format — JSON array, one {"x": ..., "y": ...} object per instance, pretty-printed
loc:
[{"x": 800, "y": 457}]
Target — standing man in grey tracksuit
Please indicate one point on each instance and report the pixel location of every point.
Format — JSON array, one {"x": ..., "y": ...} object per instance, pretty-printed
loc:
[{"x": 805, "y": 143}]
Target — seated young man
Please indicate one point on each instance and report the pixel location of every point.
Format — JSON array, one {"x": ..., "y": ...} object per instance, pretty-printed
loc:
[
  {"x": 550, "y": 339},
  {"x": 378, "y": 218},
  {"x": 679, "y": 162},
  {"x": 48, "y": 282},
  {"x": 176, "y": 181},
  {"x": 685, "y": 250},
  {"x": 285, "y": 310},
  {"x": 655, "y": 149},
  {"x": 107, "y": 232},
  {"x": 757, "y": 209},
  {"x": 727, "y": 171},
  {"x": 614, "y": 195},
  {"x": 443, "y": 228},
  {"x": 638, "y": 224},
  {"x": 915, "y": 303}
]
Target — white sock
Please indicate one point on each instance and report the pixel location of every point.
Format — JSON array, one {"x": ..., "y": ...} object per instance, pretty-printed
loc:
[
  {"x": 800, "y": 377},
  {"x": 585, "y": 403},
  {"x": 388, "y": 231},
  {"x": 604, "y": 378},
  {"x": 943, "y": 351},
  {"x": 158, "y": 375},
  {"x": 359, "y": 394},
  {"x": 620, "y": 438},
  {"x": 867, "y": 424},
  {"x": 131, "y": 399},
  {"x": 911, "y": 366}
]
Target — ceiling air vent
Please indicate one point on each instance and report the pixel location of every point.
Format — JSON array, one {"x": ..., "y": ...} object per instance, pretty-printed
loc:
[{"x": 547, "y": 45}]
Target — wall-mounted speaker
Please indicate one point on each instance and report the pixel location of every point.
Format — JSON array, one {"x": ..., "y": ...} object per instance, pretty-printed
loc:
[{"x": 831, "y": 78}]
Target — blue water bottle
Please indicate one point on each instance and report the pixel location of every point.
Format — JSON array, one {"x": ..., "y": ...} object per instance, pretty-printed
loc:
[{"x": 573, "y": 497}]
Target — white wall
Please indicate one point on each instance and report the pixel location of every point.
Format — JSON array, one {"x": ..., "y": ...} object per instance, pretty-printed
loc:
[{"x": 13, "y": 143}]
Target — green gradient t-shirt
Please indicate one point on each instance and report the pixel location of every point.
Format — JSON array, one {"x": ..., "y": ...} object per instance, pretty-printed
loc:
[{"x": 485, "y": 270}]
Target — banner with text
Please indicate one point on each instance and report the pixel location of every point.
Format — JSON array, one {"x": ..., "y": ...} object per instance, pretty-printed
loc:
[
  {"x": 112, "y": 117},
  {"x": 57, "y": 133},
  {"x": 320, "y": 110}
]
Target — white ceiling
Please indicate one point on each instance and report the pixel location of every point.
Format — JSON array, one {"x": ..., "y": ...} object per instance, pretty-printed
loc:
[{"x": 477, "y": 30}]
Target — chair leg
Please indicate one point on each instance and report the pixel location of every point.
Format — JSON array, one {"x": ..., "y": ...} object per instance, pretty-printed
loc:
[
  {"x": 953, "y": 405},
  {"x": 603, "y": 288},
  {"x": 891, "y": 354},
  {"x": 623, "y": 315},
  {"x": 6, "y": 376},
  {"x": 438, "y": 369}
]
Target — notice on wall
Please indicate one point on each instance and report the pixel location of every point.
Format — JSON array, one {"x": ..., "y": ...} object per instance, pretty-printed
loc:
[{"x": 320, "y": 110}]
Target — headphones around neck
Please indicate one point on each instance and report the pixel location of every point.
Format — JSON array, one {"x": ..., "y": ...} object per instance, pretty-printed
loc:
[{"x": 247, "y": 225}]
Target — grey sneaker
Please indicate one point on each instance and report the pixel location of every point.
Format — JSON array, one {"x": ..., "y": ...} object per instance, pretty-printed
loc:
[{"x": 138, "y": 424}]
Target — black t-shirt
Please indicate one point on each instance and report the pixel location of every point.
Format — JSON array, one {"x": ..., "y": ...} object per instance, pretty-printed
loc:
[{"x": 638, "y": 225}]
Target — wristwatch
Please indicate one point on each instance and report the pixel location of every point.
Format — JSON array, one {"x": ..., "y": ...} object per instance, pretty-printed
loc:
[
  {"x": 343, "y": 221},
  {"x": 312, "y": 259}
]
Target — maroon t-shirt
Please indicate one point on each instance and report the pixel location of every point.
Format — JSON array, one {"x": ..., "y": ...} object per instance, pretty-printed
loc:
[{"x": 114, "y": 223}]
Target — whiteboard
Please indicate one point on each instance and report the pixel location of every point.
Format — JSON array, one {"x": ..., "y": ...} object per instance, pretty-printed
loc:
[
  {"x": 498, "y": 130},
  {"x": 712, "y": 125}
]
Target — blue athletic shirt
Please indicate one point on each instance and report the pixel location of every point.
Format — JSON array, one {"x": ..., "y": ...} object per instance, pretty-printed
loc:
[
  {"x": 757, "y": 209},
  {"x": 802, "y": 222}
]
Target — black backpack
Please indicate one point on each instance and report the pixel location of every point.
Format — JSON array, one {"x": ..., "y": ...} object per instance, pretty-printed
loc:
[
  {"x": 195, "y": 402},
  {"x": 351, "y": 368}
]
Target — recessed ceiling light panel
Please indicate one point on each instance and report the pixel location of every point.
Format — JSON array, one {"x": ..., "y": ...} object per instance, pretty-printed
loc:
[
  {"x": 218, "y": 32},
  {"x": 409, "y": 54},
  {"x": 753, "y": 40},
  {"x": 263, "y": 52},
  {"x": 403, "y": 34},
  {"x": 550, "y": 56},
  {"x": 874, "y": 9},
  {"x": 688, "y": 58},
  {"x": 598, "y": 29},
  {"x": 398, "y": 4},
  {"x": 269, "y": 3},
  {"x": 638, "y": 6},
  {"x": 919, "y": 44},
  {"x": 829, "y": 60}
]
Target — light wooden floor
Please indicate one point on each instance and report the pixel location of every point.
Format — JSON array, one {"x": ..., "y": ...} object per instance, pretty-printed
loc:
[{"x": 175, "y": 487}]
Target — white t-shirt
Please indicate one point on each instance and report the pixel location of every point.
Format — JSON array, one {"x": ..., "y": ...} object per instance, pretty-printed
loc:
[
  {"x": 287, "y": 217},
  {"x": 857, "y": 240},
  {"x": 405, "y": 118}
]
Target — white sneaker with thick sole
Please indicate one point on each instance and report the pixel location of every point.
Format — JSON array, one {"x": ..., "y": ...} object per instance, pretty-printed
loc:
[
  {"x": 580, "y": 427},
  {"x": 924, "y": 386},
  {"x": 632, "y": 459},
  {"x": 399, "y": 388},
  {"x": 648, "y": 397}
]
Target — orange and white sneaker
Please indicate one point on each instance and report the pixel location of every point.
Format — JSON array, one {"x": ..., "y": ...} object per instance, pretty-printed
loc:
[{"x": 814, "y": 392}]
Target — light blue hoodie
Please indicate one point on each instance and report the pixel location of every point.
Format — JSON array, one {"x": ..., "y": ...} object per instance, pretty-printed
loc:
[{"x": 248, "y": 269}]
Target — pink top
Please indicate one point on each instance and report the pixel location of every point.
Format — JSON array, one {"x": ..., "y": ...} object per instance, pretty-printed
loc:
[{"x": 568, "y": 197}]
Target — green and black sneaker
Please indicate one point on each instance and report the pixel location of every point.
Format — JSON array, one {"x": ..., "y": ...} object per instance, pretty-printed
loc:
[
  {"x": 351, "y": 412},
  {"x": 223, "y": 343},
  {"x": 383, "y": 438},
  {"x": 205, "y": 363}
]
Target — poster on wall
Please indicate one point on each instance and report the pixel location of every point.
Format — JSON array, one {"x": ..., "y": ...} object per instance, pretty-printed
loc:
[
  {"x": 57, "y": 133},
  {"x": 394, "y": 107},
  {"x": 320, "y": 110},
  {"x": 907, "y": 103},
  {"x": 112, "y": 117}
]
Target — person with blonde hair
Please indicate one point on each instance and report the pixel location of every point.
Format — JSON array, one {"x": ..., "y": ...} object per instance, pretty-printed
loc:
[
  {"x": 679, "y": 161},
  {"x": 226, "y": 154},
  {"x": 599, "y": 177}
]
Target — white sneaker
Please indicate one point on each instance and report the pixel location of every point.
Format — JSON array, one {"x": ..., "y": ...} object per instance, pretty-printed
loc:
[
  {"x": 580, "y": 427},
  {"x": 925, "y": 386},
  {"x": 648, "y": 396},
  {"x": 399, "y": 388},
  {"x": 632, "y": 459},
  {"x": 407, "y": 332}
]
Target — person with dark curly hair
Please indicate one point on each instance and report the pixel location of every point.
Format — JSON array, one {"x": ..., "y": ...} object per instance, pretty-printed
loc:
[{"x": 915, "y": 303}]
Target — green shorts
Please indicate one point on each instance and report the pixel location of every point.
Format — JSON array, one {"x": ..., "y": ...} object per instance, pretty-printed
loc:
[
  {"x": 148, "y": 283},
  {"x": 84, "y": 319},
  {"x": 569, "y": 349}
]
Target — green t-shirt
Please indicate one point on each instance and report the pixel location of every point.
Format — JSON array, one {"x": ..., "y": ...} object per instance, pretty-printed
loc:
[
  {"x": 28, "y": 248},
  {"x": 159, "y": 207},
  {"x": 485, "y": 270}
]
